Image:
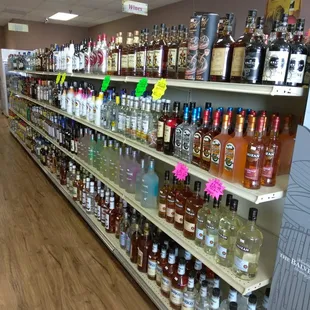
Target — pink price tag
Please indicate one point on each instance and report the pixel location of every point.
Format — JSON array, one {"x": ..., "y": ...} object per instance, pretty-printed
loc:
[
  {"x": 215, "y": 188},
  {"x": 180, "y": 171}
]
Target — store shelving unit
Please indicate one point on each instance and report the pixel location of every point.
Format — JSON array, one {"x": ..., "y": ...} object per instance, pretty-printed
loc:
[
  {"x": 150, "y": 287},
  {"x": 268, "y": 251},
  {"x": 264, "y": 194}
]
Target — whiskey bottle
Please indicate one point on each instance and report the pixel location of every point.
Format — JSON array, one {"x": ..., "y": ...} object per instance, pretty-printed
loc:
[
  {"x": 132, "y": 55},
  {"x": 135, "y": 237},
  {"x": 162, "y": 261},
  {"x": 149, "y": 65},
  {"x": 125, "y": 54},
  {"x": 239, "y": 48},
  {"x": 160, "y": 54},
  {"x": 170, "y": 201},
  {"x": 117, "y": 55},
  {"x": 182, "y": 53},
  {"x": 222, "y": 53},
  {"x": 247, "y": 249},
  {"x": 111, "y": 61},
  {"x": 145, "y": 243},
  {"x": 173, "y": 54},
  {"x": 162, "y": 201},
  {"x": 141, "y": 52},
  {"x": 152, "y": 262},
  {"x": 168, "y": 272}
]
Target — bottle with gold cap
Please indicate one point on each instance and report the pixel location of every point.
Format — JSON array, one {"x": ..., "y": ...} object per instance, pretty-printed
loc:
[
  {"x": 250, "y": 131},
  {"x": 235, "y": 155}
]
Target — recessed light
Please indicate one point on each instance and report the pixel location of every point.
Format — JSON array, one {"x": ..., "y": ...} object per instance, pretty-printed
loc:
[{"x": 63, "y": 16}]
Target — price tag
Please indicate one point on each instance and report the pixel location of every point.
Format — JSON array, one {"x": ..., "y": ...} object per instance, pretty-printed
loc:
[
  {"x": 58, "y": 78},
  {"x": 63, "y": 78},
  {"x": 180, "y": 171},
  {"x": 159, "y": 89},
  {"x": 105, "y": 83},
  {"x": 215, "y": 188},
  {"x": 141, "y": 87}
]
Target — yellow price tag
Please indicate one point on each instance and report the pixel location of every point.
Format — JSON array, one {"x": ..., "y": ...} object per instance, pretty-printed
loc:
[
  {"x": 58, "y": 78},
  {"x": 159, "y": 89},
  {"x": 64, "y": 75}
]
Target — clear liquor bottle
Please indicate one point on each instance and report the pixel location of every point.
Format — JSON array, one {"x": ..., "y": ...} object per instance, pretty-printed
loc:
[
  {"x": 132, "y": 170},
  {"x": 252, "y": 302},
  {"x": 162, "y": 199},
  {"x": 121, "y": 116},
  {"x": 139, "y": 180},
  {"x": 139, "y": 119},
  {"x": 149, "y": 188},
  {"x": 122, "y": 168},
  {"x": 232, "y": 298},
  {"x": 85, "y": 192},
  {"x": 179, "y": 132},
  {"x": 247, "y": 249},
  {"x": 190, "y": 293},
  {"x": 129, "y": 109},
  {"x": 90, "y": 199},
  {"x": 134, "y": 118},
  {"x": 202, "y": 302},
  {"x": 202, "y": 217}
]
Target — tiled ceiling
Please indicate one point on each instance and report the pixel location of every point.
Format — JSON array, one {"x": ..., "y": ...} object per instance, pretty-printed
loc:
[{"x": 91, "y": 12}]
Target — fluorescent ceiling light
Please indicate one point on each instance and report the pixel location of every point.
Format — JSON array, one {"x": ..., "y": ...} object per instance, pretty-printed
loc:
[{"x": 63, "y": 16}]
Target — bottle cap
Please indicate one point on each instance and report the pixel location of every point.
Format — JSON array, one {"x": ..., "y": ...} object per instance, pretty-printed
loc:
[
  {"x": 197, "y": 186},
  {"x": 182, "y": 261},
  {"x": 253, "y": 214},
  {"x": 234, "y": 205},
  {"x": 216, "y": 292},
  {"x": 252, "y": 299},
  {"x": 216, "y": 203},
  {"x": 229, "y": 197},
  {"x": 233, "y": 306},
  {"x": 187, "y": 180},
  {"x": 204, "y": 283}
]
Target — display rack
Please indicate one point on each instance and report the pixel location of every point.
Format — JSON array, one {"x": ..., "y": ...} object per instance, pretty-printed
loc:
[
  {"x": 268, "y": 251},
  {"x": 264, "y": 194}
]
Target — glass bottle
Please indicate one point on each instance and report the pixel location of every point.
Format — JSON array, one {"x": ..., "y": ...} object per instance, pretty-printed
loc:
[
  {"x": 252, "y": 302},
  {"x": 173, "y": 54},
  {"x": 160, "y": 54},
  {"x": 182, "y": 53},
  {"x": 132, "y": 54},
  {"x": 190, "y": 293},
  {"x": 146, "y": 122},
  {"x": 139, "y": 180},
  {"x": 168, "y": 272},
  {"x": 255, "y": 53},
  {"x": 123, "y": 230},
  {"x": 266, "y": 299},
  {"x": 254, "y": 158},
  {"x": 247, "y": 248},
  {"x": 132, "y": 171},
  {"x": 162, "y": 261},
  {"x": 180, "y": 202},
  {"x": 149, "y": 64},
  {"x": 144, "y": 246},
  {"x": 179, "y": 131},
  {"x": 111, "y": 62},
  {"x": 161, "y": 127},
  {"x": 272, "y": 155},
  {"x": 162, "y": 200},
  {"x": 170, "y": 201},
  {"x": 250, "y": 128},
  {"x": 274, "y": 30},
  {"x": 222, "y": 53},
  {"x": 215, "y": 299},
  {"x": 135, "y": 237},
  {"x": 141, "y": 52},
  {"x": 125, "y": 53},
  {"x": 149, "y": 188},
  {"x": 277, "y": 57},
  {"x": 117, "y": 55},
  {"x": 152, "y": 262},
  {"x": 235, "y": 155},
  {"x": 232, "y": 298},
  {"x": 202, "y": 302},
  {"x": 202, "y": 216},
  {"x": 239, "y": 48},
  {"x": 90, "y": 199},
  {"x": 110, "y": 217},
  {"x": 193, "y": 205}
]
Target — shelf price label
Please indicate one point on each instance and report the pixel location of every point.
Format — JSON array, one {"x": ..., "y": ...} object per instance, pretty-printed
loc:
[
  {"x": 63, "y": 78},
  {"x": 159, "y": 89},
  {"x": 180, "y": 171},
  {"x": 58, "y": 78},
  {"x": 105, "y": 83},
  {"x": 141, "y": 87},
  {"x": 215, "y": 188}
]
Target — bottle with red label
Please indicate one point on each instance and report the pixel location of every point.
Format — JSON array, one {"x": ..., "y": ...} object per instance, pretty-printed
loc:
[
  {"x": 162, "y": 201},
  {"x": 144, "y": 247},
  {"x": 93, "y": 58},
  {"x": 152, "y": 262},
  {"x": 272, "y": 155},
  {"x": 170, "y": 201},
  {"x": 168, "y": 272},
  {"x": 162, "y": 261},
  {"x": 254, "y": 158},
  {"x": 193, "y": 205}
]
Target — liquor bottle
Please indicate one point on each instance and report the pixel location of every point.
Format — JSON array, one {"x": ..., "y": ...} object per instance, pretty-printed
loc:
[
  {"x": 170, "y": 201},
  {"x": 252, "y": 302},
  {"x": 247, "y": 249},
  {"x": 266, "y": 299},
  {"x": 144, "y": 246},
  {"x": 235, "y": 155},
  {"x": 121, "y": 208},
  {"x": 150, "y": 53},
  {"x": 168, "y": 272},
  {"x": 272, "y": 154},
  {"x": 105, "y": 206},
  {"x": 250, "y": 128},
  {"x": 207, "y": 141},
  {"x": 162, "y": 199},
  {"x": 255, "y": 53},
  {"x": 132, "y": 54},
  {"x": 239, "y": 48},
  {"x": 160, "y": 54},
  {"x": 110, "y": 68},
  {"x": 102, "y": 56},
  {"x": 125, "y": 52},
  {"x": 202, "y": 216},
  {"x": 139, "y": 180},
  {"x": 225, "y": 210},
  {"x": 254, "y": 158},
  {"x": 277, "y": 57},
  {"x": 135, "y": 237},
  {"x": 76, "y": 186},
  {"x": 100, "y": 202},
  {"x": 124, "y": 225},
  {"x": 117, "y": 55},
  {"x": 169, "y": 132},
  {"x": 152, "y": 262},
  {"x": 202, "y": 302},
  {"x": 146, "y": 122},
  {"x": 217, "y": 148},
  {"x": 232, "y": 299},
  {"x": 193, "y": 205},
  {"x": 149, "y": 188},
  {"x": 173, "y": 54},
  {"x": 85, "y": 192},
  {"x": 298, "y": 57},
  {"x": 141, "y": 52},
  {"x": 161, "y": 127},
  {"x": 110, "y": 217},
  {"x": 90, "y": 199},
  {"x": 179, "y": 132},
  {"x": 124, "y": 160},
  {"x": 180, "y": 202},
  {"x": 190, "y": 293},
  {"x": 178, "y": 285},
  {"x": 222, "y": 53},
  {"x": 182, "y": 52},
  {"x": 162, "y": 261},
  {"x": 132, "y": 170}
]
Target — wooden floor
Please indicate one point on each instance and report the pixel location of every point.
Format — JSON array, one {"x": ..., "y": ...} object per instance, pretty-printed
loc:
[{"x": 49, "y": 258}]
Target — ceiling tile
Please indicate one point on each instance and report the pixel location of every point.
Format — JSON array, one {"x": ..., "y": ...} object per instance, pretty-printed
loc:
[
  {"x": 111, "y": 18},
  {"x": 96, "y": 4},
  {"x": 18, "y": 3},
  {"x": 63, "y": 7},
  {"x": 98, "y": 14}
]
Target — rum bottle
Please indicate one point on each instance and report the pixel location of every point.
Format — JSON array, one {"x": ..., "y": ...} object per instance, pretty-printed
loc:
[
  {"x": 162, "y": 201},
  {"x": 152, "y": 262},
  {"x": 173, "y": 54},
  {"x": 162, "y": 261},
  {"x": 161, "y": 128},
  {"x": 160, "y": 54},
  {"x": 170, "y": 201},
  {"x": 149, "y": 64},
  {"x": 145, "y": 243},
  {"x": 168, "y": 272}
]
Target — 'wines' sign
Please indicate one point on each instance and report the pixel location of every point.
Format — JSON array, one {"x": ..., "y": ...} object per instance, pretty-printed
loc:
[{"x": 134, "y": 7}]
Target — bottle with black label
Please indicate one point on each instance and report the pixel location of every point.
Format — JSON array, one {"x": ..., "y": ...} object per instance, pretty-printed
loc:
[
  {"x": 298, "y": 58},
  {"x": 254, "y": 58},
  {"x": 277, "y": 57}
]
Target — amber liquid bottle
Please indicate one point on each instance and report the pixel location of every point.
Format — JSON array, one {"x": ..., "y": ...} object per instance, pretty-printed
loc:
[
  {"x": 193, "y": 205},
  {"x": 170, "y": 201},
  {"x": 173, "y": 54},
  {"x": 160, "y": 54},
  {"x": 110, "y": 56},
  {"x": 125, "y": 54},
  {"x": 152, "y": 262},
  {"x": 250, "y": 131},
  {"x": 117, "y": 55},
  {"x": 162, "y": 201},
  {"x": 150, "y": 53},
  {"x": 272, "y": 155},
  {"x": 162, "y": 261},
  {"x": 132, "y": 55},
  {"x": 182, "y": 54},
  {"x": 144, "y": 247},
  {"x": 168, "y": 272},
  {"x": 110, "y": 217},
  {"x": 239, "y": 48},
  {"x": 134, "y": 245},
  {"x": 180, "y": 201},
  {"x": 235, "y": 155},
  {"x": 222, "y": 54},
  {"x": 254, "y": 157}
]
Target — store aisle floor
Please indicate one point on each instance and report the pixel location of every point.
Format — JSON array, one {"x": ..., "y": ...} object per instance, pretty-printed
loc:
[{"x": 49, "y": 258}]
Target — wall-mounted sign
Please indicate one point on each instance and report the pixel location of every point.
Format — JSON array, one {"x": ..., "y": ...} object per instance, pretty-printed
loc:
[{"x": 134, "y": 7}]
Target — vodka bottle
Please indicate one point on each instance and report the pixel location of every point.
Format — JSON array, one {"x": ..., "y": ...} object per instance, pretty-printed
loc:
[
  {"x": 202, "y": 300},
  {"x": 122, "y": 169},
  {"x": 131, "y": 173},
  {"x": 69, "y": 57},
  {"x": 69, "y": 101},
  {"x": 149, "y": 188},
  {"x": 139, "y": 180},
  {"x": 121, "y": 116},
  {"x": 133, "y": 119}
]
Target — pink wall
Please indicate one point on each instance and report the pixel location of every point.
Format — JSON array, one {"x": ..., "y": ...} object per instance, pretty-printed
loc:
[{"x": 42, "y": 35}]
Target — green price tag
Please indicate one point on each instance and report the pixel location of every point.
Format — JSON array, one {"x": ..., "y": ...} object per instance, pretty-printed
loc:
[
  {"x": 58, "y": 78},
  {"x": 105, "y": 83},
  {"x": 141, "y": 87},
  {"x": 64, "y": 75},
  {"x": 159, "y": 89}
]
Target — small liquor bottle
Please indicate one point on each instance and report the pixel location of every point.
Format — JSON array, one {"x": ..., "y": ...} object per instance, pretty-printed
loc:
[
  {"x": 170, "y": 126},
  {"x": 182, "y": 53},
  {"x": 254, "y": 157},
  {"x": 202, "y": 216},
  {"x": 272, "y": 154},
  {"x": 161, "y": 128},
  {"x": 145, "y": 243},
  {"x": 239, "y": 48},
  {"x": 247, "y": 250},
  {"x": 193, "y": 205},
  {"x": 110, "y": 217},
  {"x": 152, "y": 262},
  {"x": 162, "y": 201},
  {"x": 160, "y": 54},
  {"x": 222, "y": 53},
  {"x": 173, "y": 54},
  {"x": 180, "y": 201},
  {"x": 170, "y": 201},
  {"x": 162, "y": 261},
  {"x": 178, "y": 285},
  {"x": 168, "y": 272},
  {"x": 134, "y": 244}
]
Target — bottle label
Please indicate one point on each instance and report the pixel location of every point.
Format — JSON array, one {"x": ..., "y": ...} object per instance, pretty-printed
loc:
[
  {"x": 232, "y": 296},
  {"x": 167, "y": 135},
  {"x": 131, "y": 61},
  {"x": 176, "y": 296},
  {"x": 251, "y": 307},
  {"x": 151, "y": 270},
  {"x": 188, "y": 302},
  {"x": 172, "y": 59},
  {"x": 162, "y": 207},
  {"x": 296, "y": 68},
  {"x": 215, "y": 302},
  {"x": 206, "y": 154},
  {"x": 182, "y": 59},
  {"x": 149, "y": 59},
  {"x": 199, "y": 234},
  {"x": 114, "y": 62},
  {"x": 178, "y": 218},
  {"x": 88, "y": 204},
  {"x": 160, "y": 130},
  {"x": 241, "y": 264},
  {"x": 75, "y": 192},
  {"x": 170, "y": 212},
  {"x": 145, "y": 127},
  {"x": 221, "y": 251},
  {"x": 252, "y": 65},
  {"x": 238, "y": 61},
  {"x": 178, "y": 138},
  {"x": 157, "y": 59},
  {"x": 140, "y": 258},
  {"x": 190, "y": 227},
  {"x": 210, "y": 242},
  {"x": 275, "y": 66},
  {"x": 159, "y": 272},
  {"x": 307, "y": 72},
  {"x": 229, "y": 157},
  {"x": 186, "y": 140},
  {"x": 197, "y": 145},
  {"x": 165, "y": 284},
  {"x": 218, "y": 62},
  {"x": 215, "y": 151},
  {"x": 124, "y": 61}
]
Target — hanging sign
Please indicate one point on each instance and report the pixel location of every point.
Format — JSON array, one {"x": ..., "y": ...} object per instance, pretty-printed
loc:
[
  {"x": 141, "y": 87},
  {"x": 159, "y": 89},
  {"x": 134, "y": 7}
]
